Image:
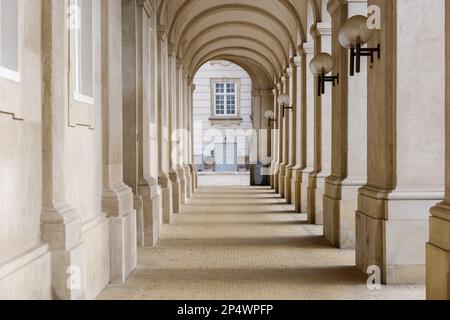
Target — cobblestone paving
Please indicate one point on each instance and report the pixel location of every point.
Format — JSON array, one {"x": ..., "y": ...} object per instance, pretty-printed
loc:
[
  {"x": 223, "y": 180},
  {"x": 246, "y": 243}
]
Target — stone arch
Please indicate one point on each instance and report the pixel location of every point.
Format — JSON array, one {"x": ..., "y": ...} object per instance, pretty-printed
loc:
[{"x": 233, "y": 24}]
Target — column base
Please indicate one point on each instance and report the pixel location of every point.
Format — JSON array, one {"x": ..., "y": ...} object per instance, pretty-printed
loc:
[
  {"x": 340, "y": 205},
  {"x": 152, "y": 212},
  {"x": 288, "y": 185},
  {"x": 61, "y": 229},
  {"x": 304, "y": 191},
  {"x": 123, "y": 248},
  {"x": 438, "y": 254},
  {"x": 296, "y": 186},
  {"x": 194, "y": 177},
  {"x": 281, "y": 180},
  {"x": 182, "y": 179},
  {"x": 316, "y": 191},
  {"x": 276, "y": 178},
  {"x": 176, "y": 191},
  {"x": 118, "y": 204},
  {"x": 139, "y": 208},
  {"x": 391, "y": 230},
  {"x": 167, "y": 201},
  {"x": 188, "y": 181}
]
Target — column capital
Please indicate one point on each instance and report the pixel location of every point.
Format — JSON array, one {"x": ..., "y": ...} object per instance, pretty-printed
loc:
[
  {"x": 297, "y": 61},
  {"x": 335, "y": 5},
  {"x": 265, "y": 93},
  {"x": 179, "y": 63},
  {"x": 321, "y": 29},
  {"x": 289, "y": 71},
  {"x": 172, "y": 49},
  {"x": 162, "y": 32},
  {"x": 147, "y": 5},
  {"x": 274, "y": 91},
  {"x": 283, "y": 79},
  {"x": 307, "y": 48}
]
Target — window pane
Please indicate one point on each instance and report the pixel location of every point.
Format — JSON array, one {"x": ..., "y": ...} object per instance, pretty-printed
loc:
[
  {"x": 231, "y": 105},
  {"x": 9, "y": 37},
  {"x": 220, "y": 88},
  {"x": 220, "y": 104},
  {"x": 231, "y": 88},
  {"x": 84, "y": 58}
]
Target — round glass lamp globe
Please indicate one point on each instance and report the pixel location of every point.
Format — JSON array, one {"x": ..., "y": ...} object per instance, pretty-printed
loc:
[
  {"x": 353, "y": 31},
  {"x": 284, "y": 99},
  {"x": 269, "y": 115},
  {"x": 321, "y": 64}
]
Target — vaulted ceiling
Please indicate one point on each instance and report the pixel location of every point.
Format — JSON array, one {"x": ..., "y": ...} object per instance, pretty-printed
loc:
[{"x": 259, "y": 35}]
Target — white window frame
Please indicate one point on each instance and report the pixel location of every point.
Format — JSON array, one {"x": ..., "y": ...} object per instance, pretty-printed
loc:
[
  {"x": 5, "y": 72},
  {"x": 236, "y": 95},
  {"x": 76, "y": 41},
  {"x": 82, "y": 108}
]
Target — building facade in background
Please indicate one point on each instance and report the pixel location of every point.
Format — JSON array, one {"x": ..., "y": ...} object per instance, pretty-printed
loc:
[{"x": 222, "y": 105}]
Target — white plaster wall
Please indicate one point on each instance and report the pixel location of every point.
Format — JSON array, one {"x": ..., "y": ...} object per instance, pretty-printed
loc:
[
  {"x": 202, "y": 103},
  {"x": 24, "y": 263}
]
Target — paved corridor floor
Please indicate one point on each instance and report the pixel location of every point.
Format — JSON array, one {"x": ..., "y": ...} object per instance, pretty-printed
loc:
[{"x": 246, "y": 243}]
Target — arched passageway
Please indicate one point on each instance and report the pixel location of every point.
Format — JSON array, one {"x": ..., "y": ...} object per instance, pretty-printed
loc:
[{"x": 98, "y": 171}]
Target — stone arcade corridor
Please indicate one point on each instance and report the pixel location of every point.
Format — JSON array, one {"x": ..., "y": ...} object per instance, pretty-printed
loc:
[
  {"x": 229, "y": 241},
  {"x": 345, "y": 106}
]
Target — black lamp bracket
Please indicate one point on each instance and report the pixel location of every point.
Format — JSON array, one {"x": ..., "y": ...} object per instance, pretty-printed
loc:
[
  {"x": 286, "y": 108},
  {"x": 324, "y": 79},
  {"x": 357, "y": 52}
]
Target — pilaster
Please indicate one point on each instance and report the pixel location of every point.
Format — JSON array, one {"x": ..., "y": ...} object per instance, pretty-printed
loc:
[
  {"x": 438, "y": 247},
  {"x": 163, "y": 125},
  {"x": 309, "y": 125},
  {"x": 321, "y": 33},
  {"x": 392, "y": 217}
]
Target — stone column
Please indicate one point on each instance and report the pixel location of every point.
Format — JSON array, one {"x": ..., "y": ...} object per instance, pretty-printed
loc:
[
  {"x": 163, "y": 131},
  {"x": 60, "y": 221},
  {"x": 275, "y": 142},
  {"x": 298, "y": 129},
  {"x": 192, "y": 166},
  {"x": 117, "y": 198},
  {"x": 309, "y": 125},
  {"x": 438, "y": 248},
  {"x": 265, "y": 135},
  {"x": 180, "y": 125},
  {"x": 349, "y": 169},
  {"x": 173, "y": 126},
  {"x": 321, "y": 33},
  {"x": 140, "y": 97},
  {"x": 406, "y": 122},
  {"x": 284, "y": 141},
  {"x": 290, "y": 152},
  {"x": 186, "y": 145}
]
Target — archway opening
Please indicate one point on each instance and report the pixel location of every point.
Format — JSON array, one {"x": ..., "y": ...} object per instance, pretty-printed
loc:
[{"x": 223, "y": 124}]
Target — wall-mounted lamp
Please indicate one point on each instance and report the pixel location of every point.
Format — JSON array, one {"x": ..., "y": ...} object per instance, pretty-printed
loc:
[
  {"x": 284, "y": 101},
  {"x": 321, "y": 65},
  {"x": 270, "y": 116},
  {"x": 353, "y": 35}
]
